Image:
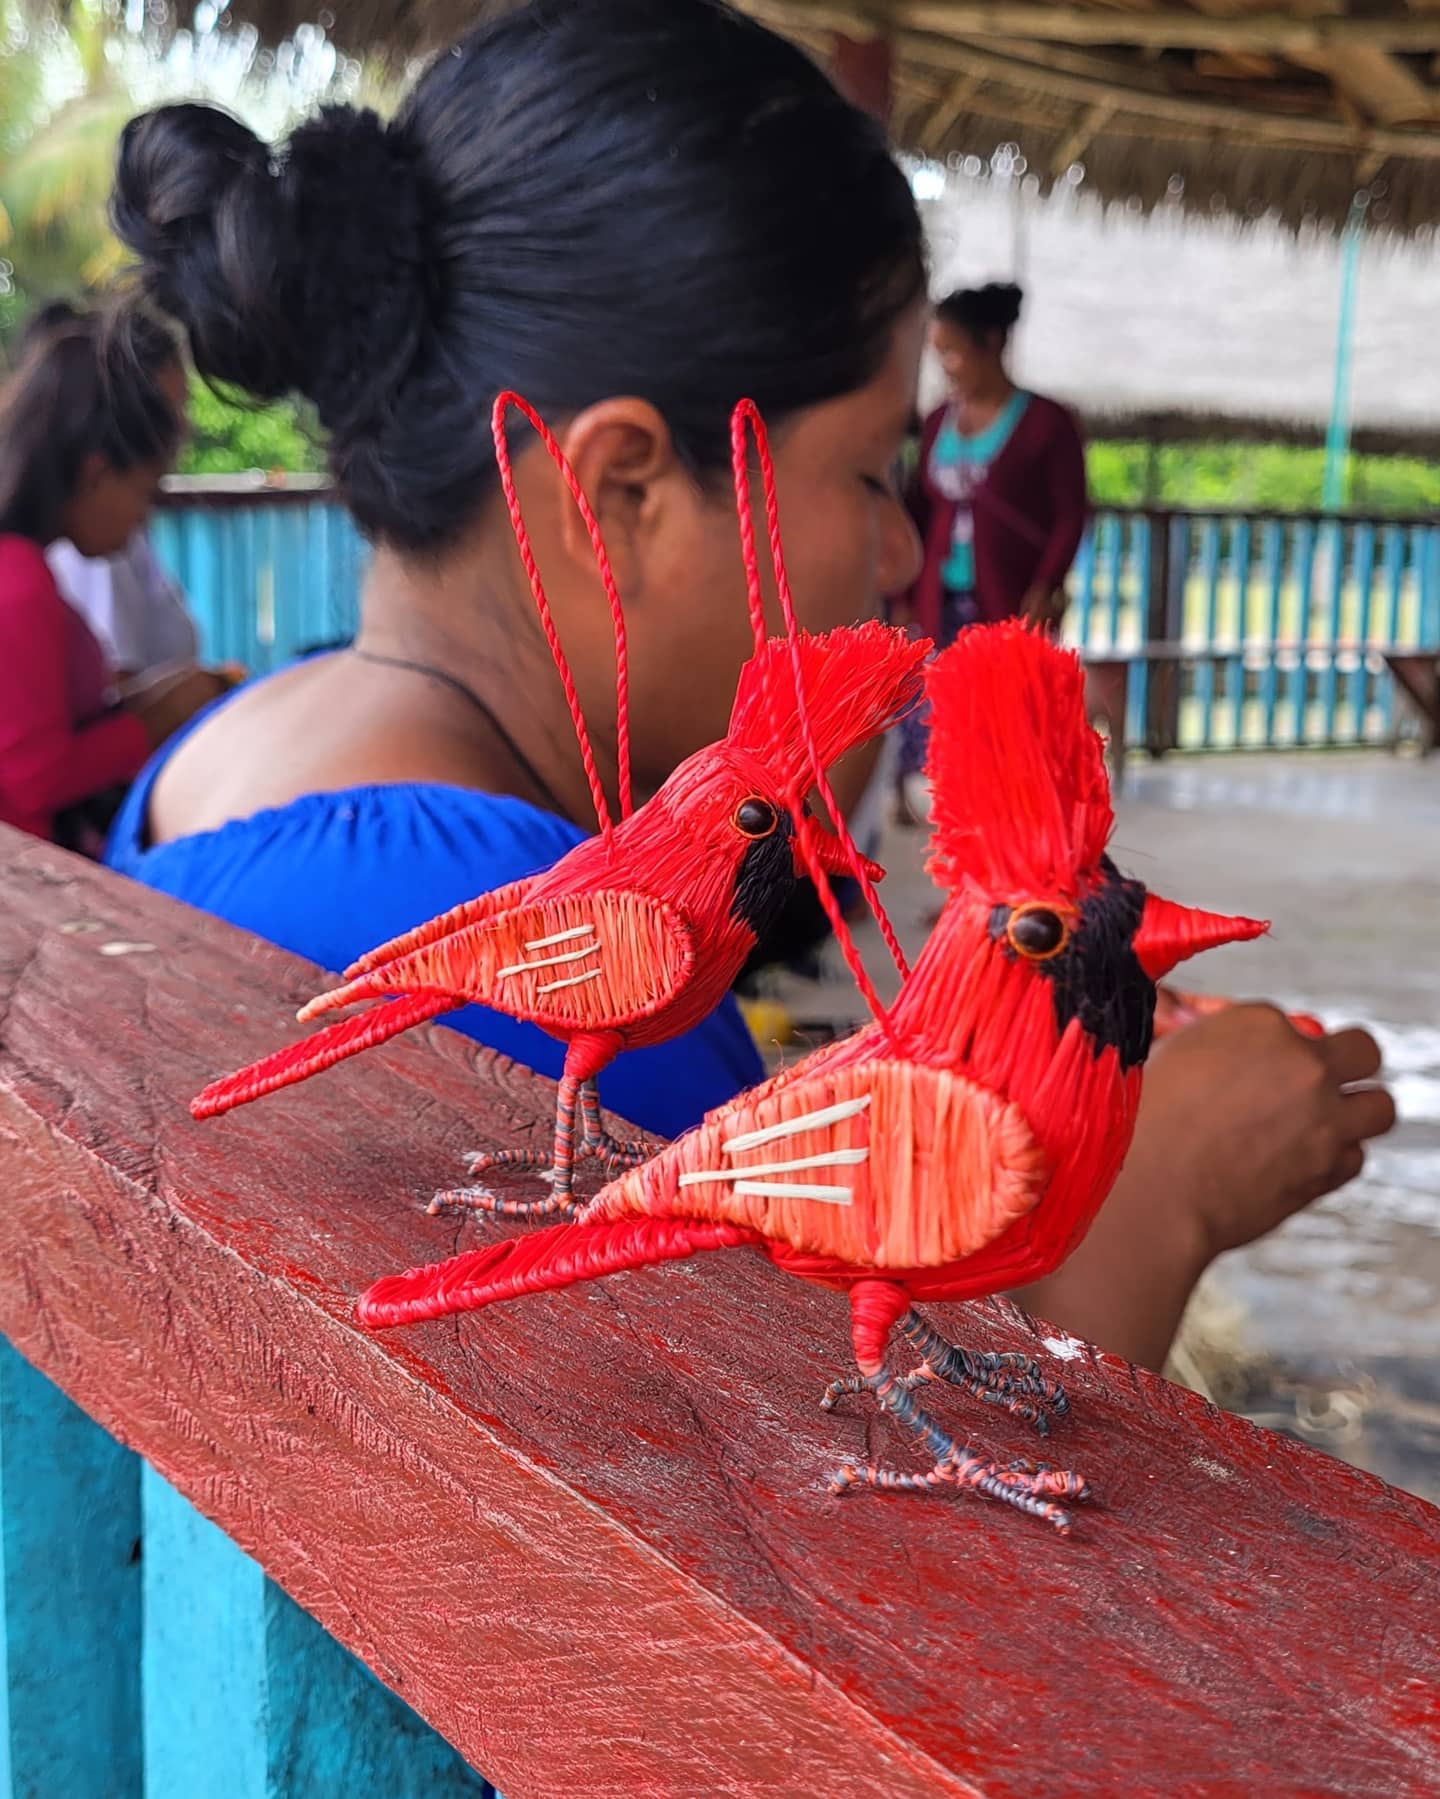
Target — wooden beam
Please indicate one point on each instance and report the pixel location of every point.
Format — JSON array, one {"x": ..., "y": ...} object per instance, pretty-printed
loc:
[
  {"x": 1169, "y": 28},
  {"x": 947, "y": 113},
  {"x": 1074, "y": 76},
  {"x": 1383, "y": 89},
  {"x": 1240, "y": 124},
  {"x": 587, "y": 1535},
  {"x": 1079, "y": 140}
]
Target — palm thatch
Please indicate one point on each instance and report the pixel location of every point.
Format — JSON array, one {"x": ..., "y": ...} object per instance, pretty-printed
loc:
[
  {"x": 1247, "y": 107},
  {"x": 1170, "y": 329}
]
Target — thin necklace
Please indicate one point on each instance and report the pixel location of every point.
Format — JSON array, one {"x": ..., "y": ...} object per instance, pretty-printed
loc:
[{"x": 466, "y": 692}]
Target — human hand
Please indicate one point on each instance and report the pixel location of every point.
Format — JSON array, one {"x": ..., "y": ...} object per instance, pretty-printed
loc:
[
  {"x": 1174, "y": 1010},
  {"x": 1044, "y": 606},
  {"x": 1244, "y": 1121}
]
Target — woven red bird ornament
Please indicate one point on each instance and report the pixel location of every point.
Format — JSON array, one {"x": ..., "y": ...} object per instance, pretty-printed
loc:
[
  {"x": 961, "y": 1143},
  {"x": 640, "y": 931}
]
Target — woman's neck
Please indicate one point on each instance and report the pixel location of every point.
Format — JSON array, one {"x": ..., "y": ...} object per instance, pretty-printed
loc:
[
  {"x": 985, "y": 397},
  {"x": 466, "y": 621}
]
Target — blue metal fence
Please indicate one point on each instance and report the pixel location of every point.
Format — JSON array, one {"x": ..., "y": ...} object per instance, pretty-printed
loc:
[{"x": 1276, "y": 625}]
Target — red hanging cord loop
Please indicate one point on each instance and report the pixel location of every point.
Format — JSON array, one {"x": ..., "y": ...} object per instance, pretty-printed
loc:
[
  {"x": 503, "y": 403},
  {"x": 744, "y": 418}
]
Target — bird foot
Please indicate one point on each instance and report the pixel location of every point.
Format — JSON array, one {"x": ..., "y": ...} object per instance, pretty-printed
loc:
[
  {"x": 498, "y": 1205},
  {"x": 1029, "y": 1487},
  {"x": 1012, "y": 1382}
]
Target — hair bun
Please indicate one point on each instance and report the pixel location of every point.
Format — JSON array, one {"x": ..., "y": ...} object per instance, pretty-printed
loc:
[
  {"x": 300, "y": 273},
  {"x": 1003, "y": 302},
  {"x": 357, "y": 216}
]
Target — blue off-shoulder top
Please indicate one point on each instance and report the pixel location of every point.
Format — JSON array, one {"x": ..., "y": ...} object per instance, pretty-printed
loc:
[{"x": 331, "y": 875}]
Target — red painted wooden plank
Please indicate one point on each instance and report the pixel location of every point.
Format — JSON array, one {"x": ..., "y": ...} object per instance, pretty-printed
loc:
[{"x": 586, "y": 1535}]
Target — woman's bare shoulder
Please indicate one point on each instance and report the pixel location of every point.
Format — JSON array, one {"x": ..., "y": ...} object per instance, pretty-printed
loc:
[{"x": 299, "y": 732}]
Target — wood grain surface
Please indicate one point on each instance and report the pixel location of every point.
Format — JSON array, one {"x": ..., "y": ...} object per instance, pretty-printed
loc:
[{"x": 586, "y": 1536}]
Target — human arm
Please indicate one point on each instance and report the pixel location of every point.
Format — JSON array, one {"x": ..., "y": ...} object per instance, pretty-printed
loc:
[
  {"x": 46, "y": 761},
  {"x": 1243, "y": 1122},
  {"x": 1065, "y": 484}
]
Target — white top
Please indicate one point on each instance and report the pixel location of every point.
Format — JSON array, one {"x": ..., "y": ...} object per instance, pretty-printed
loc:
[{"x": 129, "y": 602}]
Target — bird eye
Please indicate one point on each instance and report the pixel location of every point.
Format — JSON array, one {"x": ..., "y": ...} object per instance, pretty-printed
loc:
[
  {"x": 755, "y": 818},
  {"x": 1037, "y": 932}
]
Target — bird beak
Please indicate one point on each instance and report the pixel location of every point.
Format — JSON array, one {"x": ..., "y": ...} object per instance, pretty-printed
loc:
[
  {"x": 830, "y": 853},
  {"x": 1171, "y": 934}
]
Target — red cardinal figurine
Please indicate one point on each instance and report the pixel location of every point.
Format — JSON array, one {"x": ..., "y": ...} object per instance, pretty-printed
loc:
[
  {"x": 963, "y": 1142},
  {"x": 639, "y": 932}
]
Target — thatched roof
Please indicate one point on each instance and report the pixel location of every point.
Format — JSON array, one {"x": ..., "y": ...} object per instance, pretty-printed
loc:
[
  {"x": 1175, "y": 328},
  {"x": 1286, "y": 107},
  {"x": 1251, "y": 106}
]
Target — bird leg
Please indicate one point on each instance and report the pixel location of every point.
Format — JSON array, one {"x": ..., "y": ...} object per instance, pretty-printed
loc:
[
  {"x": 615, "y": 1152},
  {"x": 1013, "y": 1382},
  {"x": 559, "y": 1166},
  {"x": 876, "y": 1307}
]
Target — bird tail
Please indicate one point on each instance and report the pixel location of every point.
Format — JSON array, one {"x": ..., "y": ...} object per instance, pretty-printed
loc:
[
  {"x": 298, "y": 1061},
  {"x": 558, "y": 1257}
]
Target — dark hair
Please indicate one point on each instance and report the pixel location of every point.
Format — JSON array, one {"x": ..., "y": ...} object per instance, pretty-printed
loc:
[
  {"x": 43, "y": 323},
  {"x": 87, "y": 384},
  {"x": 981, "y": 312},
  {"x": 649, "y": 197}
]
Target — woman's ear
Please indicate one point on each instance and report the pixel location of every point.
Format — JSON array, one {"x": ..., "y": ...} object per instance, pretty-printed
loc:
[{"x": 625, "y": 461}]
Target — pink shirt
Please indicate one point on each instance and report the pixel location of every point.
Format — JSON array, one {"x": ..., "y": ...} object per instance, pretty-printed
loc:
[{"x": 58, "y": 744}]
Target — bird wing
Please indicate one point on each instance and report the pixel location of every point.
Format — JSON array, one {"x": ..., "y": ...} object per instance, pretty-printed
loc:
[
  {"x": 572, "y": 962},
  {"x": 877, "y": 1164},
  {"x": 558, "y": 1257},
  {"x": 468, "y": 912}
]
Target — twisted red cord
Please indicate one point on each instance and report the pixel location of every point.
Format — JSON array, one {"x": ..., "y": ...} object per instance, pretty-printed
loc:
[
  {"x": 747, "y": 416},
  {"x": 503, "y": 403}
]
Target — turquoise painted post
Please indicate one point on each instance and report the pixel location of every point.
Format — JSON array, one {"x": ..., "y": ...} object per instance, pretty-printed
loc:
[
  {"x": 1135, "y": 633},
  {"x": 69, "y": 1597},
  {"x": 1235, "y": 668},
  {"x": 1085, "y": 584},
  {"x": 1334, "y": 624},
  {"x": 1273, "y": 564},
  {"x": 1360, "y": 685},
  {"x": 1304, "y": 571},
  {"x": 1394, "y": 539},
  {"x": 246, "y": 1697},
  {"x": 1337, "y": 437},
  {"x": 1429, "y": 624},
  {"x": 1210, "y": 561},
  {"x": 1123, "y": 547}
]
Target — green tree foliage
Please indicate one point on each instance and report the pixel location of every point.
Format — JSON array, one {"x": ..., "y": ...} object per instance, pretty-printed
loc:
[
  {"x": 229, "y": 437},
  {"x": 1267, "y": 477}
]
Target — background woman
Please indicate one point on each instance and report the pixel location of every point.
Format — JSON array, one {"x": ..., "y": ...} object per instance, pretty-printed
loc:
[
  {"x": 633, "y": 214},
  {"x": 89, "y": 423},
  {"x": 998, "y": 492}
]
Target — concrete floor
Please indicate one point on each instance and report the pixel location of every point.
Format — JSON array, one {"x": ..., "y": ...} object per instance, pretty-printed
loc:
[{"x": 1330, "y": 1328}]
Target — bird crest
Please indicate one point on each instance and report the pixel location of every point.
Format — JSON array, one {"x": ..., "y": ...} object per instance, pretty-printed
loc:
[
  {"x": 854, "y": 684},
  {"x": 1020, "y": 799}
]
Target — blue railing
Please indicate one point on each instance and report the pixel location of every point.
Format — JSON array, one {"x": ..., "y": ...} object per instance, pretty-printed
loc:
[
  {"x": 1275, "y": 625},
  {"x": 270, "y": 572}
]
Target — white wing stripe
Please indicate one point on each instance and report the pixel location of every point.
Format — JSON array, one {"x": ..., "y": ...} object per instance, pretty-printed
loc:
[
  {"x": 576, "y": 980},
  {"x": 580, "y": 930},
  {"x": 792, "y": 1127},
  {"x": 574, "y": 955},
  {"x": 838, "y": 1158},
  {"x": 835, "y": 1196}
]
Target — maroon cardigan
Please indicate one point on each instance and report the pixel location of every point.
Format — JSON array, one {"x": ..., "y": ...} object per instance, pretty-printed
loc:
[{"x": 1029, "y": 515}]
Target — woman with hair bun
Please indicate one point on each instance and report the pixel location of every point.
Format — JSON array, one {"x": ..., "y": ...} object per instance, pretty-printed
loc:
[
  {"x": 634, "y": 214},
  {"x": 999, "y": 490}
]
